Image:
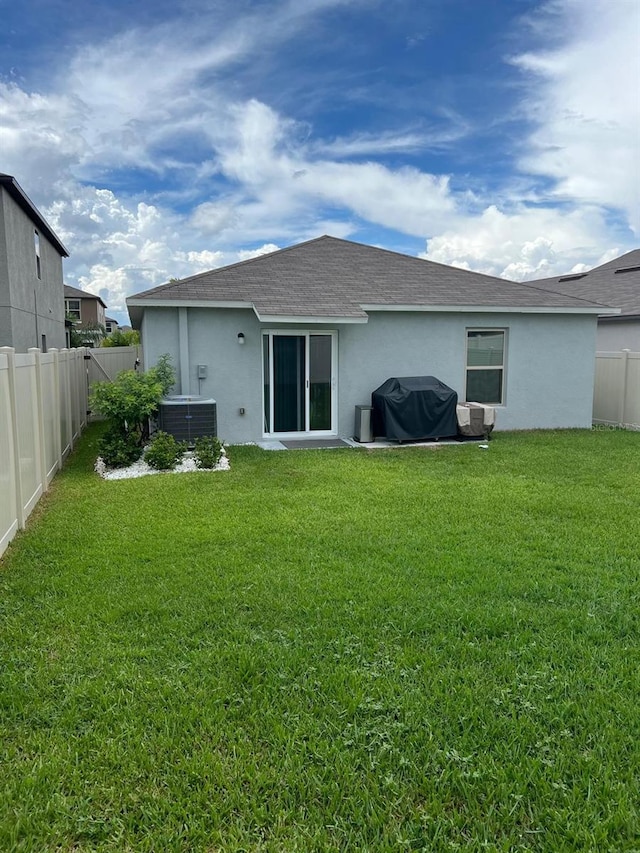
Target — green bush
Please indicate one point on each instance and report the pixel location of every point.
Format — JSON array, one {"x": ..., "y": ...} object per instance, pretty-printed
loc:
[
  {"x": 207, "y": 451},
  {"x": 132, "y": 398},
  {"x": 119, "y": 448},
  {"x": 164, "y": 452},
  {"x": 120, "y": 338},
  {"x": 127, "y": 401},
  {"x": 164, "y": 373}
]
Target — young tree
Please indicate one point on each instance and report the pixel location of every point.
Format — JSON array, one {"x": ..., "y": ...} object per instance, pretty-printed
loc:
[
  {"x": 127, "y": 403},
  {"x": 86, "y": 336}
]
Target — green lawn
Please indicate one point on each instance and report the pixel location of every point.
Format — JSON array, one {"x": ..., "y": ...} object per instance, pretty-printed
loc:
[{"x": 329, "y": 651}]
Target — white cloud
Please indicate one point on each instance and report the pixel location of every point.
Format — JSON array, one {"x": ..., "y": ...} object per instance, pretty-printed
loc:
[
  {"x": 369, "y": 144},
  {"x": 585, "y": 100},
  {"x": 280, "y": 179},
  {"x": 248, "y": 254},
  {"x": 119, "y": 104},
  {"x": 524, "y": 244}
]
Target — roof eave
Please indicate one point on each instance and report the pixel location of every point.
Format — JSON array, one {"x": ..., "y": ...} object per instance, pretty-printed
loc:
[
  {"x": 619, "y": 317},
  {"x": 137, "y": 305},
  {"x": 136, "y": 302},
  {"x": 24, "y": 202},
  {"x": 315, "y": 319},
  {"x": 490, "y": 309}
]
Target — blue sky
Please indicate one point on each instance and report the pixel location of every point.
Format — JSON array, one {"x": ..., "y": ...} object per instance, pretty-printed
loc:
[{"x": 161, "y": 139}]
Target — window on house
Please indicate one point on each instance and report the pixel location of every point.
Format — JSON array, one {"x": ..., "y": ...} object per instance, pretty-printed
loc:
[
  {"x": 36, "y": 245},
  {"x": 485, "y": 366},
  {"x": 72, "y": 308}
]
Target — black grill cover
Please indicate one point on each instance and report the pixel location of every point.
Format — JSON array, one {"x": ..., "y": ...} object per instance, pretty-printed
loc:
[{"x": 412, "y": 408}]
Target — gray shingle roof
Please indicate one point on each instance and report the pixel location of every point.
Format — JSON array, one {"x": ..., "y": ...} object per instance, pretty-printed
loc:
[
  {"x": 75, "y": 293},
  {"x": 328, "y": 277},
  {"x": 616, "y": 283}
]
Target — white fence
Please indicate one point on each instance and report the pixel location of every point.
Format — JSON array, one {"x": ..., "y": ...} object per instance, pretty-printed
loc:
[
  {"x": 107, "y": 362},
  {"x": 616, "y": 394},
  {"x": 43, "y": 409}
]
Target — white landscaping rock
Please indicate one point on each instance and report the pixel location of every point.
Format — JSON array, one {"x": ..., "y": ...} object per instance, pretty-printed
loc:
[{"x": 141, "y": 469}]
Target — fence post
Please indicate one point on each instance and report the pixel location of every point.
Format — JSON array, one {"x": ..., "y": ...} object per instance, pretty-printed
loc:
[
  {"x": 15, "y": 432},
  {"x": 42, "y": 450},
  {"x": 83, "y": 378},
  {"x": 58, "y": 412},
  {"x": 625, "y": 386},
  {"x": 67, "y": 380},
  {"x": 73, "y": 378}
]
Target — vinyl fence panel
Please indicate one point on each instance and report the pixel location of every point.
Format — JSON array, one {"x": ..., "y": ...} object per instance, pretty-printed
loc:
[
  {"x": 106, "y": 362},
  {"x": 43, "y": 408},
  {"x": 50, "y": 414},
  {"x": 616, "y": 396},
  {"x": 8, "y": 498},
  {"x": 632, "y": 405},
  {"x": 66, "y": 430},
  {"x": 29, "y": 457}
]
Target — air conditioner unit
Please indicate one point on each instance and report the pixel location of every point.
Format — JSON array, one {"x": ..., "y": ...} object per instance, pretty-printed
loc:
[{"x": 188, "y": 417}]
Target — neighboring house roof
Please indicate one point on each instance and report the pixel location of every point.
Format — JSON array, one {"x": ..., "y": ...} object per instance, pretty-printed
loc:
[
  {"x": 110, "y": 320},
  {"x": 332, "y": 279},
  {"x": 22, "y": 200},
  {"x": 616, "y": 283},
  {"x": 75, "y": 293}
]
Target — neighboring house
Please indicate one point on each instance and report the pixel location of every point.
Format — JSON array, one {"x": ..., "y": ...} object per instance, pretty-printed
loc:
[
  {"x": 31, "y": 288},
  {"x": 289, "y": 343},
  {"x": 617, "y": 284},
  {"x": 84, "y": 309},
  {"x": 111, "y": 325}
]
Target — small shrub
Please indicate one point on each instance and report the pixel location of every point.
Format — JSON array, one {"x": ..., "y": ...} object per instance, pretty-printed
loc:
[
  {"x": 119, "y": 448},
  {"x": 132, "y": 398},
  {"x": 127, "y": 401},
  {"x": 164, "y": 452},
  {"x": 120, "y": 338},
  {"x": 207, "y": 451},
  {"x": 164, "y": 373}
]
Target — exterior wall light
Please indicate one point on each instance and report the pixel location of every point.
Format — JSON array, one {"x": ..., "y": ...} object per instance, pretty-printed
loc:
[{"x": 240, "y": 337}]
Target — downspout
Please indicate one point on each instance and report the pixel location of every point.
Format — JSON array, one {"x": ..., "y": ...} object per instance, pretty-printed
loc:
[{"x": 183, "y": 339}]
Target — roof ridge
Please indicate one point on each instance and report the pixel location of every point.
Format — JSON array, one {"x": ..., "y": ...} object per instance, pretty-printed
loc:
[
  {"x": 616, "y": 261},
  {"x": 424, "y": 260},
  {"x": 196, "y": 276},
  {"x": 531, "y": 286}
]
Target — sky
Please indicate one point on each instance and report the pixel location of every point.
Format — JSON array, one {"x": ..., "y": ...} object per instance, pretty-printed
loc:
[{"x": 160, "y": 139}]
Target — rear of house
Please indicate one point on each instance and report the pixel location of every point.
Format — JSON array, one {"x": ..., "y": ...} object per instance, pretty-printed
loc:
[{"x": 289, "y": 343}]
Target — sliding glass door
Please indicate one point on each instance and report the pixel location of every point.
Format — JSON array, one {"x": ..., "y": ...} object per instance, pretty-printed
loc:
[{"x": 299, "y": 382}]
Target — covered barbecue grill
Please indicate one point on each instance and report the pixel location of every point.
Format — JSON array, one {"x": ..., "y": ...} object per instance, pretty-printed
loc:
[{"x": 412, "y": 408}]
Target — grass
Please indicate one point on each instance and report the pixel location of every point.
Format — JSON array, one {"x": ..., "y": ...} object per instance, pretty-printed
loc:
[{"x": 329, "y": 651}]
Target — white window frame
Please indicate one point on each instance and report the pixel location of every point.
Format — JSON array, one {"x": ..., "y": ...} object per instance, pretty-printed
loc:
[
  {"x": 71, "y": 312},
  {"x": 306, "y": 433},
  {"x": 36, "y": 247},
  {"x": 503, "y": 367}
]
